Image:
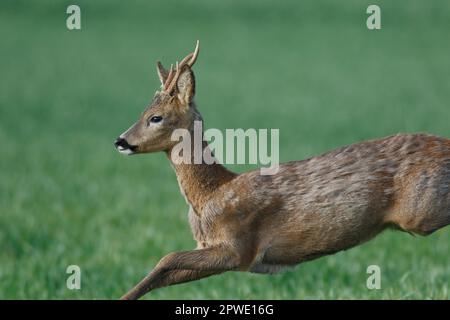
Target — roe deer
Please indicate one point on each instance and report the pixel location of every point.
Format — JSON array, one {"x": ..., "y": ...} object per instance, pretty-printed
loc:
[{"x": 308, "y": 209}]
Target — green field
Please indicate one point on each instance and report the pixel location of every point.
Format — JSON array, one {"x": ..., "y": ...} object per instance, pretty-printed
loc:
[{"x": 309, "y": 68}]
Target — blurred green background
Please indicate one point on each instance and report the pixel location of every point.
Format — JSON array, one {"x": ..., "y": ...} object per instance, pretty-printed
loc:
[{"x": 310, "y": 68}]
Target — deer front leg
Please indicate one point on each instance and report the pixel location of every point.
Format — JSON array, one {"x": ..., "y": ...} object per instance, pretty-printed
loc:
[
  {"x": 165, "y": 279},
  {"x": 179, "y": 267}
]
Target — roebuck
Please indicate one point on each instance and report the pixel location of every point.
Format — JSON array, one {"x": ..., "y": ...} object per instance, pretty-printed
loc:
[{"x": 308, "y": 209}]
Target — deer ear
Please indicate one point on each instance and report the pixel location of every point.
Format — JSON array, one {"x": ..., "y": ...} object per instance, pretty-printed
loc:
[
  {"x": 162, "y": 72},
  {"x": 186, "y": 86}
]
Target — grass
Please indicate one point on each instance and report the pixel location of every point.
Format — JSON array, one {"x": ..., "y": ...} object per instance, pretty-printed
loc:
[{"x": 311, "y": 69}]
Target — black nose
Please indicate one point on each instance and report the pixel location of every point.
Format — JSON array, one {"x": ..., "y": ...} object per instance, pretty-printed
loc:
[{"x": 121, "y": 142}]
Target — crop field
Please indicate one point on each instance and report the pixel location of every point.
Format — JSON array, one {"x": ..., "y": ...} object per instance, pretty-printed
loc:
[{"x": 311, "y": 69}]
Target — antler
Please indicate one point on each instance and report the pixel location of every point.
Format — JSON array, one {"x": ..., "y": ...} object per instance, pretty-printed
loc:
[{"x": 172, "y": 77}]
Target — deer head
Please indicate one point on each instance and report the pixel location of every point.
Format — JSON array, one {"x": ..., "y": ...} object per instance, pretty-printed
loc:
[{"x": 172, "y": 108}]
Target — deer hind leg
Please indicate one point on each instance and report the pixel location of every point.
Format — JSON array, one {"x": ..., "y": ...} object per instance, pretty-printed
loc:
[
  {"x": 179, "y": 267},
  {"x": 426, "y": 207},
  {"x": 430, "y": 223}
]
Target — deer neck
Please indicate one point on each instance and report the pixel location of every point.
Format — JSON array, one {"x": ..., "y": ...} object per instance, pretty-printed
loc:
[{"x": 199, "y": 181}]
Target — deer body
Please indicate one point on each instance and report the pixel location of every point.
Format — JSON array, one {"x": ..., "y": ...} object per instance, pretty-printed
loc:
[
  {"x": 325, "y": 204},
  {"x": 308, "y": 209}
]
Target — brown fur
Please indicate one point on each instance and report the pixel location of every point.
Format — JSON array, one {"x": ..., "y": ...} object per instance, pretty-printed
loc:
[{"x": 310, "y": 208}]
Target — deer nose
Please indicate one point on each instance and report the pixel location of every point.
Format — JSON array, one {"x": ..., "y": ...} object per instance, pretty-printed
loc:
[{"x": 120, "y": 142}]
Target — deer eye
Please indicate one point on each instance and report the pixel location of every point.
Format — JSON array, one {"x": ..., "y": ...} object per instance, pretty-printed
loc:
[{"x": 155, "y": 119}]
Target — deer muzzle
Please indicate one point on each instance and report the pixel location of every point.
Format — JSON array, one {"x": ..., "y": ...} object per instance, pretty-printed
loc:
[{"x": 124, "y": 147}]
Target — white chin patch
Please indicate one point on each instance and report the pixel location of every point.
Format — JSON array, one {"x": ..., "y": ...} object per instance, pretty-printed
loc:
[{"x": 124, "y": 151}]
